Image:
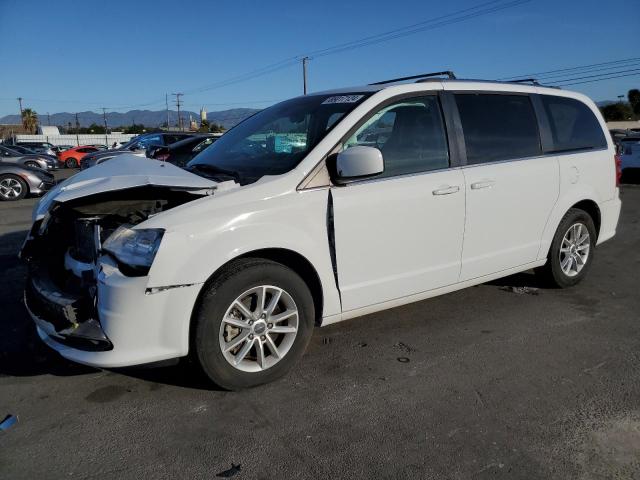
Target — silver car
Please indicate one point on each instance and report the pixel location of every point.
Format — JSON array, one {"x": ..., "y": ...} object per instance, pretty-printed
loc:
[
  {"x": 17, "y": 182},
  {"x": 35, "y": 160}
]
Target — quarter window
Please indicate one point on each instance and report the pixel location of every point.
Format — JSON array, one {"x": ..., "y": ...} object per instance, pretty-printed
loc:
[
  {"x": 573, "y": 124},
  {"x": 498, "y": 127},
  {"x": 410, "y": 134}
]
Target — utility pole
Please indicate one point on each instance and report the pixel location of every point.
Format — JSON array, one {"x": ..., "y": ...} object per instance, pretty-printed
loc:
[
  {"x": 20, "y": 103},
  {"x": 166, "y": 102},
  {"x": 104, "y": 117},
  {"x": 305, "y": 60},
  {"x": 48, "y": 119},
  {"x": 77, "y": 129},
  {"x": 178, "y": 95}
]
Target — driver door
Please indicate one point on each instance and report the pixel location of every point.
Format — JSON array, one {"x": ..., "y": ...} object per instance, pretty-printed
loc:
[{"x": 400, "y": 233}]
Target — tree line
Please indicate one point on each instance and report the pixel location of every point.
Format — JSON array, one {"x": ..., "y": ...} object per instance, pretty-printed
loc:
[{"x": 620, "y": 111}]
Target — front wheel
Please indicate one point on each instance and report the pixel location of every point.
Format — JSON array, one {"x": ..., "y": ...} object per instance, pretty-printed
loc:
[
  {"x": 12, "y": 187},
  {"x": 71, "y": 163},
  {"x": 572, "y": 250},
  {"x": 253, "y": 324}
]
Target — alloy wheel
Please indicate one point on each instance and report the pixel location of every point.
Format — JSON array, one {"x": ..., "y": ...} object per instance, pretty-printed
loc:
[
  {"x": 574, "y": 249},
  {"x": 10, "y": 188},
  {"x": 259, "y": 328}
]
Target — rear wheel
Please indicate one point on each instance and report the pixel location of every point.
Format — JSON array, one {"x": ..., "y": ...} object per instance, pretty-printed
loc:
[
  {"x": 71, "y": 162},
  {"x": 12, "y": 187},
  {"x": 253, "y": 323},
  {"x": 572, "y": 250}
]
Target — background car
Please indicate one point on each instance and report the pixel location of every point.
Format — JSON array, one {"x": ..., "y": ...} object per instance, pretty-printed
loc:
[
  {"x": 27, "y": 151},
  {"x": 136, "y": 145},
  {"x": 22, "y": 149},
  {"x": 17, "y": 182},
  {"x": 61, "y": 148},
  {"x": 180, "y": 153},
  {"x": 39, "y": 147},
  {"x": 71, "y": 158},
  {"x": 33, "y": 160},
  {"x": 630, "y": 158}
]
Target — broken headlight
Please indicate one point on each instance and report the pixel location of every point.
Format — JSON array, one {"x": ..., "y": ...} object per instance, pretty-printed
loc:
[{"x": 134, "y": 247}]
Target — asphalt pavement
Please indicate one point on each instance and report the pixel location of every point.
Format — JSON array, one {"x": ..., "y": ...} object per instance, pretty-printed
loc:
[{"x": 505, "y": 380}]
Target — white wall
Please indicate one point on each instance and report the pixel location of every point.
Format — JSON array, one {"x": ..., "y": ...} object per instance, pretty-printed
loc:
[{"x": 80, "y": 139}]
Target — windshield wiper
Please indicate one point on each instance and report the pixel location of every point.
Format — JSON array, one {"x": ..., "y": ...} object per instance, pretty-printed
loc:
[{"x": 205, "y": 167}]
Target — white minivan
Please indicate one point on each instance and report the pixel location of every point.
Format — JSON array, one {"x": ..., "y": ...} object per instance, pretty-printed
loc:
[{"x": 316, "y": 210}]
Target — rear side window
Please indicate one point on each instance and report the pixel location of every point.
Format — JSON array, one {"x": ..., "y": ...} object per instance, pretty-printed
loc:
[
  {"x": 573, "y": 124},
  {"x": 498, "y": 127}
]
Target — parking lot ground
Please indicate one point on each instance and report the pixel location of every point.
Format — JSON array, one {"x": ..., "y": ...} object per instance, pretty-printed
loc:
[{"x": 493, "y": 382}]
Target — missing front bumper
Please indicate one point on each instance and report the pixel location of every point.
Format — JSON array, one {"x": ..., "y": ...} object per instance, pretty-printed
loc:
[{"x": 68, "y": 318}]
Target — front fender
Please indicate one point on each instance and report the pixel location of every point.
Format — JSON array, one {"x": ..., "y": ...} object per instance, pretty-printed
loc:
[{"x": 192, "y": 251}]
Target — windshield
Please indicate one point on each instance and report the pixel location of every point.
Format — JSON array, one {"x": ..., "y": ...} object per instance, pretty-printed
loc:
[{"x": 274, "y": 140}]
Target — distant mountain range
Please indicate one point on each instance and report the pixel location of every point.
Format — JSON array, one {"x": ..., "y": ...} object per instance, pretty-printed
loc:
[{"x": 149, "y": 118}]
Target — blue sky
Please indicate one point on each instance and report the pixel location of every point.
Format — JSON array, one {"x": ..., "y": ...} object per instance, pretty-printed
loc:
[{"x": 81, "y": 55}]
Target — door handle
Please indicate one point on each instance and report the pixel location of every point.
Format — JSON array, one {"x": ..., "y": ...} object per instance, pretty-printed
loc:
[
  {"x": 446, "y": 190},
  {"x": 482, "y": 184}
]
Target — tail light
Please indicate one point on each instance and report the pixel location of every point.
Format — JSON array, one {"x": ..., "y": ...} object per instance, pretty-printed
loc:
[{"x": 618, "y": 162}]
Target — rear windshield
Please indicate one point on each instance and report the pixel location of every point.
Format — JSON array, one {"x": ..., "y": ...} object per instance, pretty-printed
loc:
[
  {"x": 274, "y": 140},
  {"x": 573, "y": 125}
]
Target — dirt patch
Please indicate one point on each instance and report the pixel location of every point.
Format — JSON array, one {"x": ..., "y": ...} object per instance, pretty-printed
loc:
[{"x": 612, "y": 450}]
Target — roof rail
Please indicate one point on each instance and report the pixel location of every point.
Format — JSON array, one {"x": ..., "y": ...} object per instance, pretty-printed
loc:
[
  {"x": 448, "y": 73},
  {"x": 532, "y": 81}
]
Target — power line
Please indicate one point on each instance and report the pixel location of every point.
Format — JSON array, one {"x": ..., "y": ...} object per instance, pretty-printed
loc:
[
  {"x": 444, "y": 20},
  {"x": 469, "y": 13},
  {"x": 437, "y": 22},
  {"x": 589, "y": 70},
  {"x": 580, "y": 67},
  {"x": 599, "y": 75},
  {"x": 600, "y": 79}
]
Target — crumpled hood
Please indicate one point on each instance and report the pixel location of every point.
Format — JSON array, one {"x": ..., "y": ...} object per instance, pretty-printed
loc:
[{"x": 120, "y": 173}]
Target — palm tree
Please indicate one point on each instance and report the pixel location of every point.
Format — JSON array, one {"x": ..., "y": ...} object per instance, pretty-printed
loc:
[{"x": 29, "y": 119}]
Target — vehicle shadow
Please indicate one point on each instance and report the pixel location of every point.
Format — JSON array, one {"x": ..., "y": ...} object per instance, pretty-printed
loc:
[
  {"x": 179, "y": 373},
  {"x": 22, "y": 353},
  {"x": 526, "y": 279}
]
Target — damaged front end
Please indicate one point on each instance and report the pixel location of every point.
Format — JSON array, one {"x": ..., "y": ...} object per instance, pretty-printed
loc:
[{"x": 68, "y": 247}]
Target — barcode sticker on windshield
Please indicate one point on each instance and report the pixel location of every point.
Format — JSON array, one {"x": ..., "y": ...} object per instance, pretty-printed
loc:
[{"x": 343, "y": 99}]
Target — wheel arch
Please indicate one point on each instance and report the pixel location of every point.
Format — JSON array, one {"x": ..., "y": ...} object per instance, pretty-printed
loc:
[
  {"x": 289, "y": 258},
  {"x": 593, "y": 210},
  {"x": 584, "y": 200}
]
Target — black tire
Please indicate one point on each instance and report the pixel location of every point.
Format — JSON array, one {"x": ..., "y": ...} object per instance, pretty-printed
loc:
[
  {"x": 552, "y": 273},
  {"x": 71, "y": 163},
  {"x": 8, "y": 181},
  {"x": 218, "y": 296}
]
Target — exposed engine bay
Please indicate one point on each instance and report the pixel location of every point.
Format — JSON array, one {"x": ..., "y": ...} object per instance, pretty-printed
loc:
[{"x": 63, "y": 252}]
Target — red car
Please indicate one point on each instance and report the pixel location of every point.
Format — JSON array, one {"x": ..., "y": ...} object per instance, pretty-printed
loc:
[{"x": 71, "y": 158}]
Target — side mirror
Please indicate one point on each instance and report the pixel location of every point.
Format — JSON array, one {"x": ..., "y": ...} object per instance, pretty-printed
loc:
[
  {"x": 358, "y": 162},
  {"x": 158, "y": 153}
]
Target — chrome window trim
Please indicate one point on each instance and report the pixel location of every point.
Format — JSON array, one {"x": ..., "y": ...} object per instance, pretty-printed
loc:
[{"x": 396, "y": 177}]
